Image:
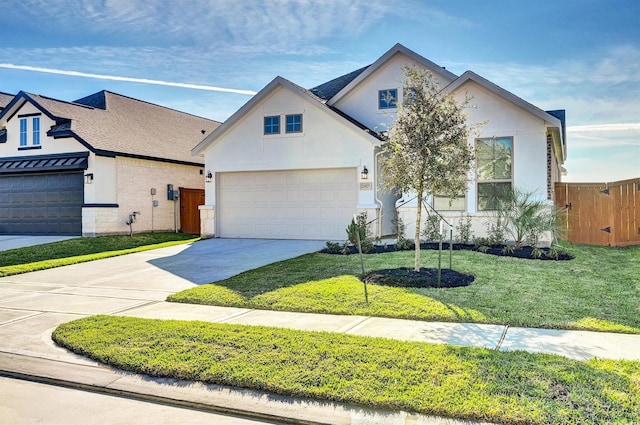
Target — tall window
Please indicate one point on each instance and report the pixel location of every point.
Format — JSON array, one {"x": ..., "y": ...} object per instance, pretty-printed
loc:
[
  {"x": 294, "y": 123},
  {"x": 36, "y": 131},
  {"x": 387, "y": 99},
  {"x": 495, "y": 171},
  {"x": 23, "y": 132},
  {"x": 272, "y": 125}
]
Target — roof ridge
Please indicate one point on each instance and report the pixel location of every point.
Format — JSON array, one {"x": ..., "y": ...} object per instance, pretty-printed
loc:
[
  {"x": 73, "y": 103},
  {"x": 154, "y": 104}
]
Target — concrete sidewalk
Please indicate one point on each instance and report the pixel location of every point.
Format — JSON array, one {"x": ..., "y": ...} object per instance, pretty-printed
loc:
[{"x": 577, "y": 345}]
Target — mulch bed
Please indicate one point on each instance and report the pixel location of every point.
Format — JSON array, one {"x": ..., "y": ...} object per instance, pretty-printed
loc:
[
  {"x": 526, "y": 252},
  {"x": 425, "y": 278}
]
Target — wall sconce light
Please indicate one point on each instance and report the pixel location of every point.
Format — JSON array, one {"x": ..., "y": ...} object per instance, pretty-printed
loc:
[
  {"x": 365, "y": 173},
  {"x": 88, "y": 178},
  {"x": 209, "y": 177}
]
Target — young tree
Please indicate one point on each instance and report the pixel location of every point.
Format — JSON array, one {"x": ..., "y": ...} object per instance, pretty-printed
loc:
[{"x": 427, "y": 151}]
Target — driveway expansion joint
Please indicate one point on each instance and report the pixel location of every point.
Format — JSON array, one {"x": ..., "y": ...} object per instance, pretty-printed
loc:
[
  {"x": 128, "y": 309},
  {"x": 235, "y": 315},
  {"x": 355, "y": 325},
  {"x": 502, "y": 337}
]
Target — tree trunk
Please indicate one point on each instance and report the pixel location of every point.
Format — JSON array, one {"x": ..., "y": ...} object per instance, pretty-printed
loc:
[{"x": 416, "y": 239}]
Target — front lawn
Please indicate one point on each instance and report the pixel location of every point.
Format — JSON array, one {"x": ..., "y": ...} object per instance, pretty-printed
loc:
[
  {"x": 459, "y": 382},
  {"x": 72, "y": 251},
  {"x": 598, "y": 290}
]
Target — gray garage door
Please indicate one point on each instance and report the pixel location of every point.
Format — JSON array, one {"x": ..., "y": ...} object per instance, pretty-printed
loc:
[{"x": 41, "y": 204}]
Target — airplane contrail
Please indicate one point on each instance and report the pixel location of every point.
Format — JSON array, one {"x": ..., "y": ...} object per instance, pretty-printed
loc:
[{"x": 128, "y": 79}]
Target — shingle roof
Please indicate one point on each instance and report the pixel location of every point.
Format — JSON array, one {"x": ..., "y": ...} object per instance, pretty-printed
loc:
[
  {"x": 110, "y": 123},
  {"x": 5, "y": 98},
  {"x": 329, "y": 89}
]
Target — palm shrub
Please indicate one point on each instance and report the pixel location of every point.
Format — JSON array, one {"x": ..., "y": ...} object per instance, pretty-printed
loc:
[{"x": 526, "y": 218}]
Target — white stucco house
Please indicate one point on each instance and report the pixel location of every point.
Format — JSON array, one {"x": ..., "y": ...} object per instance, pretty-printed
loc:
[
  {"x": 299, "y": 163},
  {"x": 83, "y": 167}
]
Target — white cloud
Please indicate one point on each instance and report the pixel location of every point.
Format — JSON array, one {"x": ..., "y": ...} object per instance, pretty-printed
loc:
[
  {"x": 604, "y": 127},
  {"x": 274, "y": 26},
  {"x": 126, "y": 79}
]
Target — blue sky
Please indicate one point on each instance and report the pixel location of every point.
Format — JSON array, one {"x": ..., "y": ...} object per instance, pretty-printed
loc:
[{"x": 578, "y": 55}]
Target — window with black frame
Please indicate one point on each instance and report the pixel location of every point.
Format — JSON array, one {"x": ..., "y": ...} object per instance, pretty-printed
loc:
[{"x": 494, "y": 171}]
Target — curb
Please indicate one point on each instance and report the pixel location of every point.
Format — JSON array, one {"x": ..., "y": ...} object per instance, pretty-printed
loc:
[{"x": 251, "y": 404}]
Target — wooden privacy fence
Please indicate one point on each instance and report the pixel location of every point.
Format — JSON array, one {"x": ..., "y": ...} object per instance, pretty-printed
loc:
[{"x": 601, "y": 213}]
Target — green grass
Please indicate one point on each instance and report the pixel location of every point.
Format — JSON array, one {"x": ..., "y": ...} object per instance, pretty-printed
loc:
[
  {"x": 598, "y": 290},
  {"x": 459, "y": 382},
  {"x": 78, "y": 250}
]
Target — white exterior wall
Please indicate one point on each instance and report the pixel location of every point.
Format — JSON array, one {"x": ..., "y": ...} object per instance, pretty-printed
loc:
[
  {"x": 326, "y": 142},
  {"x": 362, "y": 102},
  {"x": 134, "y": 180},
  {"x": 503, "y": 119}
]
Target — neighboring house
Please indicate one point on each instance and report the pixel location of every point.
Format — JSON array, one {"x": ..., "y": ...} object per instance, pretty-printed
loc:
[
  {"x": 83, "y": 167},
  {"x": 297, "y": 163},
  {"x": 5, "y": 98}
]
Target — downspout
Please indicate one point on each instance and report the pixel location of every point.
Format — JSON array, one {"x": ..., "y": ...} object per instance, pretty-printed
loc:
[{"x": 375, "y": 189}]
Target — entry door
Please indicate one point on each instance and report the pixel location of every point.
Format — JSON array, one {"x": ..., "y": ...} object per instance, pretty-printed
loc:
[{"x": 190, "y": 199}]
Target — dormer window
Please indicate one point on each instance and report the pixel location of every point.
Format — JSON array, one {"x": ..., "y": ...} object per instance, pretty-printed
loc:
[
  {"x": 29, "y": 126},
  {"x": 387, "y": 99},
  {"x": 272, "y": 125}
]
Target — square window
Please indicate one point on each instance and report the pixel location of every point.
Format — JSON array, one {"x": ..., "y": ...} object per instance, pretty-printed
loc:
[
  {"x": 490, "y": 195},
  {"x": 272, "y": 125},
  {"x": 410, "y": 94},
  {"x": 387, "y": 98},
  {"x": 294, "y": 123}
]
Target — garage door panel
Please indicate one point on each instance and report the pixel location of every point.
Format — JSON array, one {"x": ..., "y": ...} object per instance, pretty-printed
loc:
[
  {"x": 297, "y": 204},
  {"x": 45, "y": 204}
]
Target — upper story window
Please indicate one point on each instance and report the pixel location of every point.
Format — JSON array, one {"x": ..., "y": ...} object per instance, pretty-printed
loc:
[
  {"x": 23, "y": 132},
  {"x": 294, "y": 123},
  {"x": 410, "y": 94},
  {"x": 387, "y": 99},
  {"x": 272, "y": 125},
  {"x": 495, "y": 171},
  {"x": 36, "y": 130},
  {"x": 29, "y": 126}
]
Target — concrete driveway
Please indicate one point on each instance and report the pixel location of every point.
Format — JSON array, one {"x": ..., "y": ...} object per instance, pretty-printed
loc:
[
  {"x": 33, "y": 304},
  {"x": 21, "y": 241}
]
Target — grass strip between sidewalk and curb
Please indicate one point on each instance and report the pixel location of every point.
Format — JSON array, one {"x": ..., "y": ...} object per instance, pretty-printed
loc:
[
  {"x": 444, "y": 380},
  {"x": 599, "y": 290},
  {"x": 80, "y": 250}
]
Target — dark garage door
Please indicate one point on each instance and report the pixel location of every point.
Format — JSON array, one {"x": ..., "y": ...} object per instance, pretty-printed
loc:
[{"x": 41, "y": 204}]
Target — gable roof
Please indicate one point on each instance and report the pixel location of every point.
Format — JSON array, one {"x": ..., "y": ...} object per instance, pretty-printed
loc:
[
  {"x": 397, "y": 49},
  {"x": 261, "y": 95},
  {"x": 112, "y": 124},
  {"x": 548, "y": 118}
]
